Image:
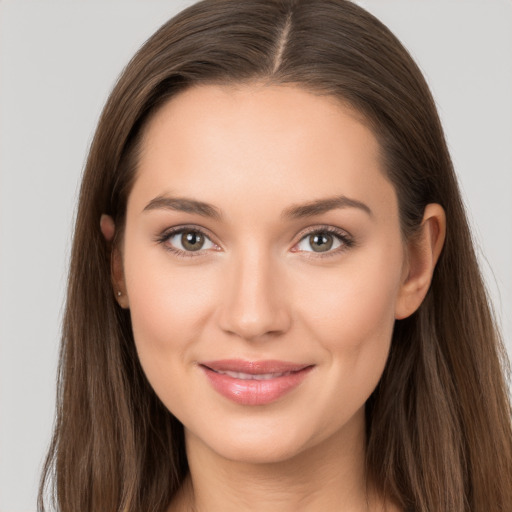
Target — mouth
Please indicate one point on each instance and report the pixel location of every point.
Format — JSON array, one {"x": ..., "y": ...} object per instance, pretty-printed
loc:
[
  {"x": 254, "y": 382},
  {"x": 250, "y": 376}
]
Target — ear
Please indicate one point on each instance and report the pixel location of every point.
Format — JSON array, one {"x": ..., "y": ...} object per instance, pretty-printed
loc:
[
  {"x": 422, "y": 254},
  {"x": 108, "y": 230}
]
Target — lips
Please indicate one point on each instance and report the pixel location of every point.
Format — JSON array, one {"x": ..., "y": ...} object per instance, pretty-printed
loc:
[
  {"x": 254, "y": 382},
  {"x": 250, "y": 376}
]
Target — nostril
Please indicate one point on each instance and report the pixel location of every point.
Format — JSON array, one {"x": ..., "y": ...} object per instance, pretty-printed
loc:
[
  {"x": 251, "y": 304},
  {"x": 270, "y": 325}
]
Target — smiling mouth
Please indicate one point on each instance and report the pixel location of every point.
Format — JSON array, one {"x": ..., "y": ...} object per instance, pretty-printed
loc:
[
  {"x": 250, "y": 376},
  {"x": 254, "y": 382}
]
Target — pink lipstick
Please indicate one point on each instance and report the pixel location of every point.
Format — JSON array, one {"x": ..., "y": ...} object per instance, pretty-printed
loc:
[{"x": 254, "y": 382}]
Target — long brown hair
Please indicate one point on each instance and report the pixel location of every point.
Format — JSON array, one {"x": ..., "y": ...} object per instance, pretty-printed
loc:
[{"x": 439, "y": 435}]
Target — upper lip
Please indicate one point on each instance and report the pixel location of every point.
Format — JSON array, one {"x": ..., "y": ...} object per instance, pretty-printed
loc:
[{"x": 254, "y": 367}]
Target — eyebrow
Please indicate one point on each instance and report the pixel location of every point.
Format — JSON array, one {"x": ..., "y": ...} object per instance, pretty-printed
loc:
[
  {"x": 183, "y": 204},
  {"x": 298, "y": 211},
  {"x": 320, "y": 206}
]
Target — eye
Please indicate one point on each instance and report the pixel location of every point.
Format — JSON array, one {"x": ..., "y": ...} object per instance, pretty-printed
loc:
[
  {"x": 326, "y": 240},
  {"x": 186, "y": 241}
]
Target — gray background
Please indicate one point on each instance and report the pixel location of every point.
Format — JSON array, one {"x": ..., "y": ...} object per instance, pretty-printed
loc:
[{"x": 59, "y": 60}]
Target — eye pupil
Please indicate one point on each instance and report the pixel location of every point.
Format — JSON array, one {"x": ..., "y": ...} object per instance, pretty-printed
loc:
[
  {"x": 192, "y": 240},
  {"x": 321, "y": 242}
]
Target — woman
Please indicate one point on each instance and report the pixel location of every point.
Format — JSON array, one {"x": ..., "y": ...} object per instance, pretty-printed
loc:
[{"x": 274, "y": 302}]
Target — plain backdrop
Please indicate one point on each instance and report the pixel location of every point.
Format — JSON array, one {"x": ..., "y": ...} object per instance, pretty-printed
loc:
[{"x": 58, "y": 62}]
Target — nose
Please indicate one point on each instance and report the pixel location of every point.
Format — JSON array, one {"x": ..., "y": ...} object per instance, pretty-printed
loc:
[{"x": 253, "y": 303}]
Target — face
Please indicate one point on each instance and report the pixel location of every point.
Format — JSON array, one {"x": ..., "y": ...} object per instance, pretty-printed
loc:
[{"x": 262, "y": 266}]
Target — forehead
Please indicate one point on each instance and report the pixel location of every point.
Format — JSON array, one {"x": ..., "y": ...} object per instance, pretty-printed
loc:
[{"x": 251, "y": 143}]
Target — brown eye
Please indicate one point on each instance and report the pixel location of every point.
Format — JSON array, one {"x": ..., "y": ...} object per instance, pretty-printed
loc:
[
  {"x": 183, "y": 240},
  {"x": 321, "y": 242},
  {"x": 324, "y": 241},
  {"x": 192, "y": 240}
]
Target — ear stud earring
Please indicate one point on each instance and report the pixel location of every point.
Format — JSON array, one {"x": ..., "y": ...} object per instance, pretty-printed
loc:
[{"x": 119, "y": 294}]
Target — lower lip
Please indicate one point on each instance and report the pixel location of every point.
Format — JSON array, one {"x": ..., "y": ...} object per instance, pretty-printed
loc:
[{"x": 255, "y": 392}]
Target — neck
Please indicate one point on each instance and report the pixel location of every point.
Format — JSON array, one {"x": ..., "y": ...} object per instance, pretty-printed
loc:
[{"x": 329, "y": 476}]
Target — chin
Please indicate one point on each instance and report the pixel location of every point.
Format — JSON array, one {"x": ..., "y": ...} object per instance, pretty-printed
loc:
[{"x": 259, "y": 442}]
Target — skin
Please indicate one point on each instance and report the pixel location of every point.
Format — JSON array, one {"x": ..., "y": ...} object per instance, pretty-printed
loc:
[{"x": 259, "y": 290}]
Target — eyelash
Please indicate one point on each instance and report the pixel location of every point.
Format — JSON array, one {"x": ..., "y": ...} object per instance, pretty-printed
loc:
[
  {"x": 344, "y": 238},
  {"x": 166, "y": 235}
]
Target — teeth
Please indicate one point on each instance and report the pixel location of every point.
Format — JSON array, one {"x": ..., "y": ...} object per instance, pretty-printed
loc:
[{"x": 250, "y": 376}]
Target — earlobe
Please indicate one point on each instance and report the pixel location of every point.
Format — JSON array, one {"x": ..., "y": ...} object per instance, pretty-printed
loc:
[
  {"x": 422, "y": 255},
  {"x": 107, "y": 228}
]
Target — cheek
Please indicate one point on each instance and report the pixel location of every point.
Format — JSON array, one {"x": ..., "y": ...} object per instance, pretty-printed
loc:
[
  {"x": 168, "y": 307},
  {"x": 351, "y": 312}
]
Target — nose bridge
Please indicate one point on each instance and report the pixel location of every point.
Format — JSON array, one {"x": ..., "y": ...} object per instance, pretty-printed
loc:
[{"x": 252, "y": 304}]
